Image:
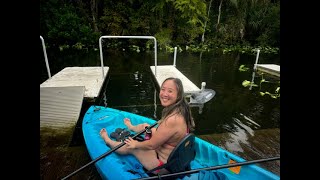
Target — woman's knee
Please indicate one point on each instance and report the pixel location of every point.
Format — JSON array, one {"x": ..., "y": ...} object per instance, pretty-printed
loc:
[{"x": 123, "y": 151}]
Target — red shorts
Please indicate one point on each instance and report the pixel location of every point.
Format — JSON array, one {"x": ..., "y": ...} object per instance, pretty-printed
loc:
[{"x": 160, "y": 164}]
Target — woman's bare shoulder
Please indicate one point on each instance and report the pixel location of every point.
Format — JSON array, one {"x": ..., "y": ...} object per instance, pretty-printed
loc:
[{"x": 175, "y": 119}]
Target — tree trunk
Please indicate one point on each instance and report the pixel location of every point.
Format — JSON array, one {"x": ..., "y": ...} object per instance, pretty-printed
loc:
[
  {"x": 94, "y": 13},
  {"x": 205, "y": 24},
  {"x": 219, "y": 15}
]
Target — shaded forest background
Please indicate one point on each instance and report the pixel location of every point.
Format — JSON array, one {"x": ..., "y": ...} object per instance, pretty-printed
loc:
[{"x": 194, "y": 24}]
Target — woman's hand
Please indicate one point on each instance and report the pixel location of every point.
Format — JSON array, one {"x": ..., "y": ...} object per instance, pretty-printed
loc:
[
  {"x": 145, "y": 125},
  {"x": 131, "y": 143}
]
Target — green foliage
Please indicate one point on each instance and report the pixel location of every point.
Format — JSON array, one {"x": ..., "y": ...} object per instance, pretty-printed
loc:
[
  {"x": 78, "y": 46},
  {"x": 271, "y": 33},
  {"x": 274, "y": 95},
  {"x": 64, "y": 47},
  {"x": 243, "y": 26},
  {"x": 192, "y": 15},
  {"x": 249, "y": 49},
  {"x": 263, "y": 25},
  {"x": 229, "y": 32},
  {"x": 114, "y": 19},
  {"x": 247, "y": 83},
  {"x": 64, "y": 27},
  {"x": 242, "y": 68},
  {"x": 134, "y": 48},
  {"x": 194, "y": 10},
  {"x": 164, "y": 38}
]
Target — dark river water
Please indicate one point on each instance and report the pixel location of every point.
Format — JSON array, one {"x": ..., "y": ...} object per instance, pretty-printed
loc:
[{"x": 237, "y": 119}]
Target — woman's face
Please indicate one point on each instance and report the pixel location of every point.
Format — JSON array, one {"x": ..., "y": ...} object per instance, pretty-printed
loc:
[{"x": 168, "y": 93}]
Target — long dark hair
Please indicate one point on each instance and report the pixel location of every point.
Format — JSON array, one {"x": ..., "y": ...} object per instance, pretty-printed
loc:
[{"x": 181, "y": 106}]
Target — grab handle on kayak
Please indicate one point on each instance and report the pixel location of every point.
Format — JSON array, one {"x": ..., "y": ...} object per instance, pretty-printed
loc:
[{"x": 107, "y": 153}]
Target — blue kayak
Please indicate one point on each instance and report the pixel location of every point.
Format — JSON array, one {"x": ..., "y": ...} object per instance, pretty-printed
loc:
[{"x": 114, "y": 166}]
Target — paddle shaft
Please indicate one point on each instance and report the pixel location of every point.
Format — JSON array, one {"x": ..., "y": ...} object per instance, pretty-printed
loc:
[
  {"x": 107, "y": 153},
  {"x": 213, "y": 168}
]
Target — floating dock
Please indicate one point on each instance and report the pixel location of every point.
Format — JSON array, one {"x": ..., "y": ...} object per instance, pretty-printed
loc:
[
  {"x": 165, "y": 71},
  {"x": 272, "y": 69},
  {"x": 60, "y": 106},
  {"x": 89, "y": 77},
  {"x": 162, "y": 72},
  {"x": 62, "y": 95}
]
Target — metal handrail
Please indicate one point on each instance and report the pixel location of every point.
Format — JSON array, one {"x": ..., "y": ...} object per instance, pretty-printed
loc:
[
  {"x": 45, "y": 56},
  {"x": 128, "y": 37}
]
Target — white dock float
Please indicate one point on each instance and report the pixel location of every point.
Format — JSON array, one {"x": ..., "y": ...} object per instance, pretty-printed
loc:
[
  {"x": 272, "y": 69},
  {"x": 165, "y": 71},
  {"x": 89, "y": 77},
  {"x": 60, "y": 106}
]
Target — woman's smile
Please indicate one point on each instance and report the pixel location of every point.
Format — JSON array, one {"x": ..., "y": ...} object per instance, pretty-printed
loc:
[{"x": 168, "y": 93}]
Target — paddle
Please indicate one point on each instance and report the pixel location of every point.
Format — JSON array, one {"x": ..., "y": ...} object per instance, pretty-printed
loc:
[
  {"x": 107, "y": 153},
  {"x": 212, "y": 168}
]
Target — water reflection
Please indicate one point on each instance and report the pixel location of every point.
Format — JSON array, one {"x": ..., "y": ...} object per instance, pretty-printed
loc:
[{"x": 238, "y": 136}]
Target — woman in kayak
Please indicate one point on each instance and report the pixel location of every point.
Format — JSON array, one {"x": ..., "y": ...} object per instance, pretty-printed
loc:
[{"x": 175, "y": 123}]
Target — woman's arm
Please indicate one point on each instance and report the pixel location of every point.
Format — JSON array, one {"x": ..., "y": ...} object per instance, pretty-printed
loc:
[{"x": 160, "y": 136}]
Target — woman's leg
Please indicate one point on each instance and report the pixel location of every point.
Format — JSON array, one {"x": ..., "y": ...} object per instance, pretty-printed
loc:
[
  {"x": 111, "y": 143},
  {"x": 149, "y": 160},
  {"x": 136, "y": 128}
]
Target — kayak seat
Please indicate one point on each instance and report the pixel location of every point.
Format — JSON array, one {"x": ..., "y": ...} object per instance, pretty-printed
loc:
[{"x": 181, "y": 156}]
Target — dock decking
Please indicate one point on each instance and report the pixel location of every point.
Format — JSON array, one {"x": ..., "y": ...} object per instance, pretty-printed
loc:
[
  {"x": 162, "y": 72},
  {"x": 89, "y": 77},
  {"x": 165, "y": 71},
  {"x": 272, "y": 69}
]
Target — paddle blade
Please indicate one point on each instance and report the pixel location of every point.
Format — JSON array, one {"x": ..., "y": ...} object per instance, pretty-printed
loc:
[{"x": 235, "y": 169}]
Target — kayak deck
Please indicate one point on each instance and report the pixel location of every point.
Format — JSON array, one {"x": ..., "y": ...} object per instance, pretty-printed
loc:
[{"x": 115, "y": 166}]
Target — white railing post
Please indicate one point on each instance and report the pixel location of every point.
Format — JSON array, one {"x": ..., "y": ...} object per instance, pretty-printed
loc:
[
  {"x": 155, "y": 56},
  {"x": 134, "y": 37},
  {"x": 175, "y": 56},
  {"x": 45, "y": 56},
  {"x": 101, "y": 56},
  {"x": 257, "y": 58},
  {"x": 203, "y": 86},
  {"x": 254, "y": 69}
]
